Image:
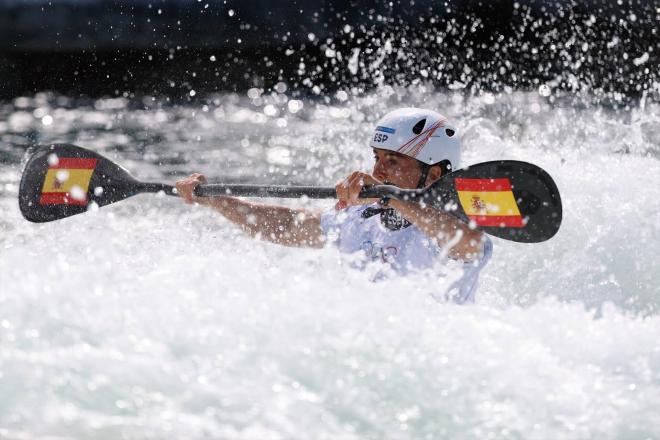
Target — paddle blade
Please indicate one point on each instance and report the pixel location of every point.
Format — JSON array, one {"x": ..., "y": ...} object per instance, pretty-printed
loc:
[
  {"x": 62, "y": 180},
  {"x": 512, "y": 200}
]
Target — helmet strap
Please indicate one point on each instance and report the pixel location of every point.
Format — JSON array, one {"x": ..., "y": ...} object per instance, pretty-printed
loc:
[
  {"x": 424, "y": 174},
  {"x": 444, "y": 164}
]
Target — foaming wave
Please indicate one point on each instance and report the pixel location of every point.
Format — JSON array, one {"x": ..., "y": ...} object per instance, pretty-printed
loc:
[{"x": 163, "y": 321}]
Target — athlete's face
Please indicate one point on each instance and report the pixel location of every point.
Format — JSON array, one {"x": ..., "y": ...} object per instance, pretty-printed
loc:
[{"x": 396, "y": 169}]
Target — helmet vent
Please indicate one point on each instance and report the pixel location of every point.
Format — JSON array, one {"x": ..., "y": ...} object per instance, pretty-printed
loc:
[
  {"x": 450, "y": 132},
  {"x": 417, "y": 129}
]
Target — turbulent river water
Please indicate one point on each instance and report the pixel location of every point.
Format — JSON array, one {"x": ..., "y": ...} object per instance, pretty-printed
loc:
[{"x": 153, "y": 319}]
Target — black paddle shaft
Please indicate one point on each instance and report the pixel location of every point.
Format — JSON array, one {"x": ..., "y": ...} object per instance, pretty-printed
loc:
[
  {"x": 280, "y": 191},
  {"x": 286, "y": 191}
]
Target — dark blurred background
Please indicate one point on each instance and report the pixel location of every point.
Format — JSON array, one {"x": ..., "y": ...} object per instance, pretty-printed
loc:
[{"x": 608, "y": 49}]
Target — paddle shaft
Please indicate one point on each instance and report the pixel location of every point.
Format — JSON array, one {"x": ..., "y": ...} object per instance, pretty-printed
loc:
[
  {"x": 275, "y": 191},
  {"x": 281, "y": 191}
]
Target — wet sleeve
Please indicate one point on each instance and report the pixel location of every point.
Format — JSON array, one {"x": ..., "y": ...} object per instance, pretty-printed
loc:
[
  {"x": 465, "y": 288},
  {"x": 329, "y": 221},
  {"x": 334, "y": 224}
]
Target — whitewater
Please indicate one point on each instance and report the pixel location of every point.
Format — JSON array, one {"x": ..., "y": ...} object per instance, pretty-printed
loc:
[{"x": 151, "y": 319}]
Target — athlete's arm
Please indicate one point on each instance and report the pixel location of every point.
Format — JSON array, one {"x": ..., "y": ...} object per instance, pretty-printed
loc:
[
  {"x": 279, "y": 224},
  {"x": 461, "y": 242}
]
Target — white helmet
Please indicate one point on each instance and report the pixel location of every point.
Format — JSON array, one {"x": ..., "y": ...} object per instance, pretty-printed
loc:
[{"x": 421, "y": 134}]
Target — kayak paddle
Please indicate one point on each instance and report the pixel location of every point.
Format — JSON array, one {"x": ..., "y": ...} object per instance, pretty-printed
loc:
[{"x": 512, "y": 200}]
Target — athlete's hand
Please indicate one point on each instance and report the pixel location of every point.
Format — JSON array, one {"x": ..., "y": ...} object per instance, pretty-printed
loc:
[
  {"x": 348, "y": 190},
  {"x": 186, "y": 187}
]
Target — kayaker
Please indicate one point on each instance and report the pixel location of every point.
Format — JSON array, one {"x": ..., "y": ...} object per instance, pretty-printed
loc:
[{"x": 412, "y": 148}]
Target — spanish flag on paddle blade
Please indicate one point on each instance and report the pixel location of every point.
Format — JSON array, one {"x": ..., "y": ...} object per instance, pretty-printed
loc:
[
  {"x": 67, "y": 181},
  {"x": 489, "y": 202}
]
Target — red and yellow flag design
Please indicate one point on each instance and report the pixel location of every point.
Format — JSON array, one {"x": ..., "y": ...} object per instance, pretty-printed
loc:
[
  {"x": 489, "y": 202},
  {"x": 67, "y": 181}
]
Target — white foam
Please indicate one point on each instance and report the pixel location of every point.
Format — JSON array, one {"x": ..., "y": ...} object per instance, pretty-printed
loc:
[{"x": 152, "y": 319}]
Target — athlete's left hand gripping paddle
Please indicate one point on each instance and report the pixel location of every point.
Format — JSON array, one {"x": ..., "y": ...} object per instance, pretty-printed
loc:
[{"x": 62, "y": 180}]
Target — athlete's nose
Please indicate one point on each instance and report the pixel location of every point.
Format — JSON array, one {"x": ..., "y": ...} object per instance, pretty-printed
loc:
[{"x": 380, "y": 172}]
